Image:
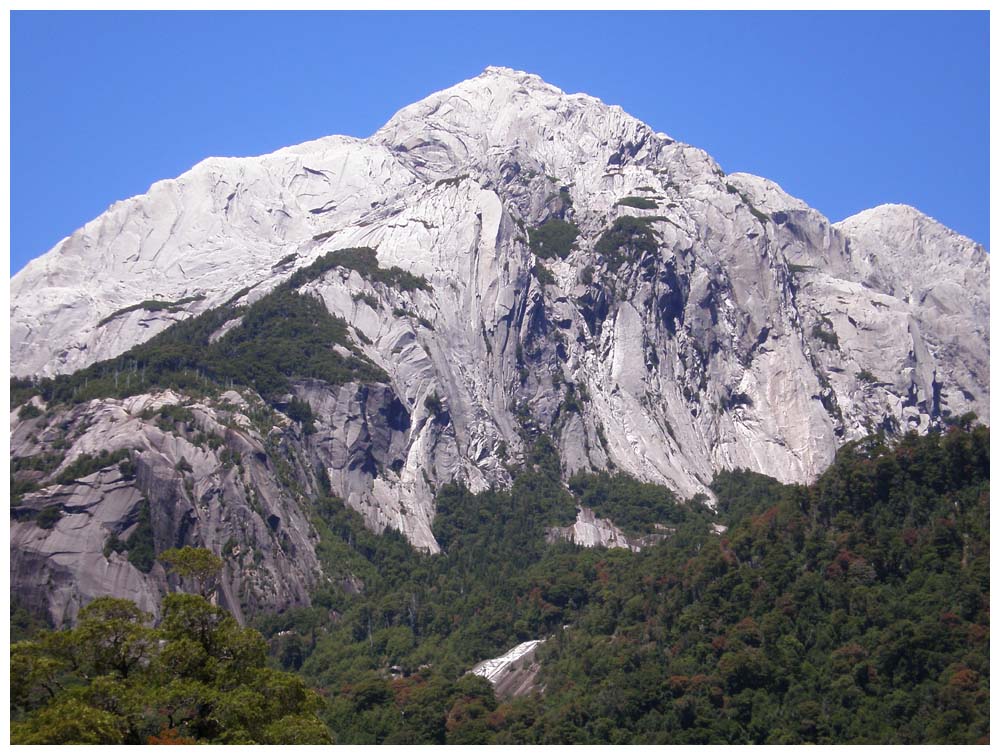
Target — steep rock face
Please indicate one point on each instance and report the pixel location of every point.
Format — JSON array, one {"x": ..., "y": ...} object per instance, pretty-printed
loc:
[
  {"x": 361, "y": 444},
  {"x": 943, "y": 278},
  {"x": 697, "y": 321},
  {"x": 514, "y": 673},
  {"x": 229, "y": 474}
]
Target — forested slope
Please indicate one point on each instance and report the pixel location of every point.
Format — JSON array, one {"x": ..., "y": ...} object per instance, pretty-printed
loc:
[{"x": 853, "y": 610}]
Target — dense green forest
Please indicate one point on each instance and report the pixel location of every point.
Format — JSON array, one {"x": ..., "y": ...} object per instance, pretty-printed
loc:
[
  {"x": 197, "y": 677},
  {"x": 854, "y": 610}
]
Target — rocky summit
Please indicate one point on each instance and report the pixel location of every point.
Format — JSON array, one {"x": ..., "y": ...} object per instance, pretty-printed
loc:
[{"x": 500, "y": 261}]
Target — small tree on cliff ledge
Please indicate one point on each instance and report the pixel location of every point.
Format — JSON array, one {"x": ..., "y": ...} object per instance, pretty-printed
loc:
[{"x": 196, "y": 564}]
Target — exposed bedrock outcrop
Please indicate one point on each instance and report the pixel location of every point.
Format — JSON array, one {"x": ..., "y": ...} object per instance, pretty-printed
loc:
[{"x": 694, "y": 322}]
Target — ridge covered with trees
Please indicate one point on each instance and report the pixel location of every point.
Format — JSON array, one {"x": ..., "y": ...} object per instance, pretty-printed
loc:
[
  {"x": 852, "y": 610},
  {"x": 283, "y": 335}
]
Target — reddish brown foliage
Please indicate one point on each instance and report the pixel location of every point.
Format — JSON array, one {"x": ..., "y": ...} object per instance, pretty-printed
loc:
[
  {"x": 169, "y": 737},
  {"x": 964, "y": 679}
]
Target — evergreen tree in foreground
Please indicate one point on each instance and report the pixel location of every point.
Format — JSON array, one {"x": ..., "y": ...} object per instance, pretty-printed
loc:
[{"x": 198, "y": 677}]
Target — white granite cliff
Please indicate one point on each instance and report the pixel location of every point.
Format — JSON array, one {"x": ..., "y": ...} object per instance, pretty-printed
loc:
[{"x": 740, "y": 329}]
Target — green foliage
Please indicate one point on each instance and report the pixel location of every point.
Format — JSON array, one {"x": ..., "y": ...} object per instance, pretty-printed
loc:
[
  {"x": 288, "y": 259},
  {"x": 287, "y": 335},
  {"x": 127, "y": 469},
  {"x": 499, "y": 522},
  {"x": 199, "y": 678},
  {"x": 543, "y": 274},
  {"x": 282, "y": 336},
  {"x": 24, "y": 623},
  {"x": 301, "y": 411},
  {"x": 855, "y": 610},
  {"x": 365, "y": 262},
  {"x": 761, "y": 217},
  {"x": 434, "y": 405},
  {"x": 964, "y": 421},
  {"x": 45, "y": 462},
  {"x": 169, "y": 416},
  {"x": 553, "y": 238},
  {"x": 152, "y": 305},
  {"x": 140, "y": 545},
  {"x": 197, "y": 565},
  {"x": 68, "y": 722},
  {"x": 86, "y": 464},
  {"x": 640, "y": 203},
  {"x": 112, "y": 631},
  {"x": 21, "y": 389},
  {"x": 741, "y": 492},
  {"x": 628, "y": 238},
  {"x": 633, "y": 506},
  {"x": 865, "y": 376},
  {"x": 587, "y": 275},
  {"x": 433, "y": 617},
  {"x": 20, "y": 488},
  {"x": 371, "y": 301},
  {"x": 572, "y": 400},
  {"x": 239, "y": 295},
  {"x": 839, "y": 613},
  {"x": 823, "y": 331},
  {"x": 29, "y": 411},
  {"x": 47, "y": 517}
]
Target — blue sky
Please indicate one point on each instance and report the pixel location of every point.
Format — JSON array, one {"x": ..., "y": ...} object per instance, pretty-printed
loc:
[{"x": 845, "y": 110}]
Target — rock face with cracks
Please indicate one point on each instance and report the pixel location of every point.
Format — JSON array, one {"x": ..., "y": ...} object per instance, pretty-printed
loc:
[
  {"x": 586, "y": 275},
  {"x": 514, "y": 673},
  {"x": 213, "y": 478}
]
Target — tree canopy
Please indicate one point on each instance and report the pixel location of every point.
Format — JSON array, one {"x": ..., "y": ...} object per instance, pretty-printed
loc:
[
  {"x": 199, "y": 677},
  {"x": 854, "y": 610},
  {"x": 197, "y": 565}
]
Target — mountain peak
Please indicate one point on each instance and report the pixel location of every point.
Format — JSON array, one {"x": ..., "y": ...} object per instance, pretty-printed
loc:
[
  {"x": 902, "y": 226},
  {"x": 510, "y": 114},
  {"x": 514, "y": 74},
  {"x": 505, "y": 71},
  {"x": 888, "y": 213},
  {"x": 522, "y": 81},
  {"x": 479, "y": 101}
]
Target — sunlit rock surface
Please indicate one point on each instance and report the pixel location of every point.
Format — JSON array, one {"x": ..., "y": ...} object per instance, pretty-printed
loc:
[
  {"x": 515, "y": 672},
  {"x": 741, "y": 329}
]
